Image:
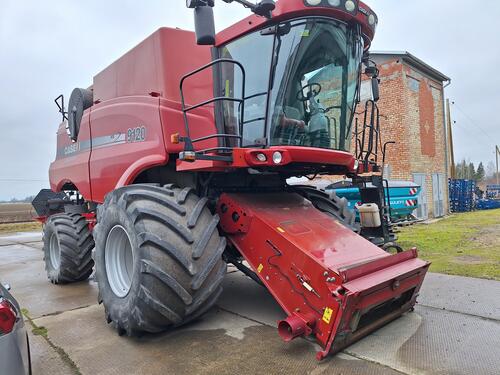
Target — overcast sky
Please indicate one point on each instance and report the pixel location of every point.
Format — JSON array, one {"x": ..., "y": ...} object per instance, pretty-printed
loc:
[{"x": 50, "y": 47}]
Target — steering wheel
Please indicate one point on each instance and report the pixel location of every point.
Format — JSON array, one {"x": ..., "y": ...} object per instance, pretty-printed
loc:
[
  {"x": 312, "y": 92},
  {"x": 328, "y": 109}
]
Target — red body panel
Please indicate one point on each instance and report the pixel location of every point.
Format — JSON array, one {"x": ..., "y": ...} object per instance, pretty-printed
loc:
[
  {"x": 247, "y": 158},
  {"x": 287, "y": 9},
  {"x": 139, "y": 90},
  {"x": 157, "y": 65},
  {"x": 118, "y": 157},
  {"x": 72, "y": 160},
  {"x": 310, "y": 262}
]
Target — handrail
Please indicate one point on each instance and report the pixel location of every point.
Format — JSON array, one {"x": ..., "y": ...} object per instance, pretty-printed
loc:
[
  {"x": 214, "y": 149},
  {"x": 215, "y": 136},
  {"x": 213, "y": 100},
  {"x": 216, "y": 99}
]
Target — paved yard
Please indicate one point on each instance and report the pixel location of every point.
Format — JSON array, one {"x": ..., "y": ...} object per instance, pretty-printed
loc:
[{"x": 454, "y": 330}]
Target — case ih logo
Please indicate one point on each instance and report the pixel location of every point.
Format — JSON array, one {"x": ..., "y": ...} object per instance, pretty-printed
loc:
[{"x": 71, "y": 149}]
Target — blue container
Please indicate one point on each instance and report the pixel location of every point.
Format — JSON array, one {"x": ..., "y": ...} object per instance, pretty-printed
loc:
[
  {"x": 403, "y": 197},
  {"x": 461, "y": 195},
  {"x": 488, "y": 204}
]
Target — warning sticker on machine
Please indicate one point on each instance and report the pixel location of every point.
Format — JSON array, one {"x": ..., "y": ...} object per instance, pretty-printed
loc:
[
  {"x": 260, "y": 268},
  {"x": 327, "y": 315}
]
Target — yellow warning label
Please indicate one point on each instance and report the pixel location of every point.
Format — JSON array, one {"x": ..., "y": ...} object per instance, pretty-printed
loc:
[
  {"x": 327, "y": 315},
  {"x": 260, "y": 268},
  {"x": 280, "y": 229}
]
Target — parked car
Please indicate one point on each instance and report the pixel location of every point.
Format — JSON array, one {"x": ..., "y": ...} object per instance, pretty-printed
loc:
[{"x": 14, "y": 343}]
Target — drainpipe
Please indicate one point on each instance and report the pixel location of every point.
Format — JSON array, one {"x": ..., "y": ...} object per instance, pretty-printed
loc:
[{"x": 446, "y": 139}]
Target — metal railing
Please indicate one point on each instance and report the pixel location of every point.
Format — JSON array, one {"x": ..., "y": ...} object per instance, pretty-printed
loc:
[{"x": 241, "y": 110}]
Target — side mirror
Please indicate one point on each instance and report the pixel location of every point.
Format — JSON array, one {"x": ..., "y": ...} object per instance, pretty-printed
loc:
[
  {"x": 372, "y": 72},
  {"x": 204, "y": 24},
  {"x": 375, "y": 89}
]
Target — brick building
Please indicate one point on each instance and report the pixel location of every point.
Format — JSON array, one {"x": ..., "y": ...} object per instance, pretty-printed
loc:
[{"x": 412, "y": 114}]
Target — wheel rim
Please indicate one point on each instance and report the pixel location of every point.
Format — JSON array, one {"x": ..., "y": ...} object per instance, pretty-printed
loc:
[
  {"x": 54, "y": 252},
  {"x": 119, "y": 261}
]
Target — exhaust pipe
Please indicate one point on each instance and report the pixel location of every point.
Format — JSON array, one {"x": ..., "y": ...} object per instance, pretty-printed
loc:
[{"x": 292, "y": 327}]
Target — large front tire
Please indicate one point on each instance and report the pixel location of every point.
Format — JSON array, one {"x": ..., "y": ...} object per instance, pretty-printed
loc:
[
  {"x": 158, "y": 257},
  {"x": 67, "y": 247},
  {"x": 330, "y": 204}
]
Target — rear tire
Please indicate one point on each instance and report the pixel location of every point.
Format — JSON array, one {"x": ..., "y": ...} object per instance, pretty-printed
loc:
[
  {"x": 330, "y": 204},
  {"x": 171, "y": 266},
  {"x": 67, "y": 247}
]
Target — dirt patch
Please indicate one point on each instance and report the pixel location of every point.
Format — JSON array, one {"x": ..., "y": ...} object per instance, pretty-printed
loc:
[{"x": 489, "y": 236}]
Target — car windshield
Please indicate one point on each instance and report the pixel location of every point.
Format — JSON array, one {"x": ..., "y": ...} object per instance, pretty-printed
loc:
[{"x": 308, "y": 96}]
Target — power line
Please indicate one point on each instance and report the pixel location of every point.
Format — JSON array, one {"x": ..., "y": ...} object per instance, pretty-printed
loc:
[
  {"x": 472, "y": 121},
  {"x": 21, "y": 180}
]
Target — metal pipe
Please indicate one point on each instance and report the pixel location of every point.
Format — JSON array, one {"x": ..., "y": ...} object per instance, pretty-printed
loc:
[{"x": 292, "y": 327}]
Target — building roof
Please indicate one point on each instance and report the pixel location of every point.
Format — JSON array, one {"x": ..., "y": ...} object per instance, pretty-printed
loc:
[{"x": 415, "y": 62}]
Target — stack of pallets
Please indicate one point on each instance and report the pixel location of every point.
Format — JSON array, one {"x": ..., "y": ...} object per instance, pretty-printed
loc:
[{"x": 461, "y": 195}]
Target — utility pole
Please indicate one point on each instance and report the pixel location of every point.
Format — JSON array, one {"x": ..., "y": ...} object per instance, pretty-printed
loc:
[
  {"x": 450, "y": 132},
  {"x": 497, "y": 153}
]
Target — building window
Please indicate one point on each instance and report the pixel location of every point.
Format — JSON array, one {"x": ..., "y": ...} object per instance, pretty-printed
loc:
[
  {"x": 413, "y": 84},
  {"x": 436, "y": 93}
]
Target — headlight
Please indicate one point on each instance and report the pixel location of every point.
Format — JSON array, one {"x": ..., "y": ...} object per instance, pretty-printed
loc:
[
  {"x": 371, "y": 19},
  {"x": 350, "y": 6},
  {"x": 334, "y": 3},
  {"x": 261, "y": 157},
  {"x": 313, "y": 2},
  {"x": 277, "y": 157},
  {"x": 356, "y": 165}
]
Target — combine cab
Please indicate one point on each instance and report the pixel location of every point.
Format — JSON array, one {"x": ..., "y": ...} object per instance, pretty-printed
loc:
[{"x": 175, "y": 161}]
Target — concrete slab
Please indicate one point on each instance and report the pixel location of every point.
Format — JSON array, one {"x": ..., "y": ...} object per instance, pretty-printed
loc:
[
  {"x": 429, "y": 341},
  {"x": 44, "y": 359},
  {"x": 209, "y": 346},
  {"x": 432, "y": 341},
  {"x": 462, "y": 294},
  {"x": 23, "y": 268},
  {"x": 20, "y": 237},
  {"x": 244, "y": 297},
  {"x": 454, "y": 330}
]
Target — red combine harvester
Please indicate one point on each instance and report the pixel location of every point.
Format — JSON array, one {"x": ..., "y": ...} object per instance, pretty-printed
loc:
[{"x": 175, "y": 162}]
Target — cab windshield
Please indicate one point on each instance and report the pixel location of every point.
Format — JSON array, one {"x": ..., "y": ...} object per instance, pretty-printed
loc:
[{"x": 301, "y": 84}]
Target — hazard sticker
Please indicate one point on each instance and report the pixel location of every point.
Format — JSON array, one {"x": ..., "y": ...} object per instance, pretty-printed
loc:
[
  {"x": 327, "y": 315},
  {"x": 260, "y": 268}
]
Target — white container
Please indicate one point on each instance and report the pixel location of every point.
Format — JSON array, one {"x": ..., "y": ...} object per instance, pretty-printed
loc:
[{"x": 369, "y": 215}]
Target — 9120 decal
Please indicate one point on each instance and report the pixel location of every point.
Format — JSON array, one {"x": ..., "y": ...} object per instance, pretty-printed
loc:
[{"x": 137, "y": 134}]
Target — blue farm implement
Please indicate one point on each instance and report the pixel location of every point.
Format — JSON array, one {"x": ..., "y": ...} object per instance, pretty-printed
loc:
[{"x": 401, "y": 196}]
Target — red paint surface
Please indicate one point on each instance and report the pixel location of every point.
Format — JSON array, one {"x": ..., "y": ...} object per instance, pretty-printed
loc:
[
  {"x": 73, "y": 168},
  {"x": 288, "y": 9},
  {"x": 284, "y": 238},
  {"x": 427, "y": 120},
  {"x": 123, "y": 162}
]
